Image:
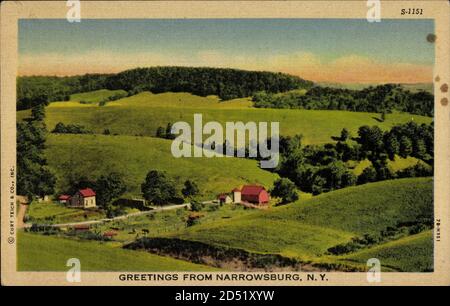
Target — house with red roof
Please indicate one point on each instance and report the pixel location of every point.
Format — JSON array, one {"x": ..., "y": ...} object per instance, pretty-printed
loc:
[
  {"x": 83, "y": 198},
  {"x": 252, "y": 194}
]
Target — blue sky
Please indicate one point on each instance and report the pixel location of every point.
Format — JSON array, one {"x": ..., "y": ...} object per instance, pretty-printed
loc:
[{"x": 226, "y": 42}]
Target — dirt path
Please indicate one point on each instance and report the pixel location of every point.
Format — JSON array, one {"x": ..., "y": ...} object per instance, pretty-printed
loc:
[{"x": 21, "y": 215}]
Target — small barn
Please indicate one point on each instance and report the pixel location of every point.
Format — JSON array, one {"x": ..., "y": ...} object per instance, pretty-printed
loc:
[
  {"x": 64, "y": 198},
  {"x": 224, "y": 198},
  {"x": 83, "y": 198},
  {"x": 253, "y": 194}
]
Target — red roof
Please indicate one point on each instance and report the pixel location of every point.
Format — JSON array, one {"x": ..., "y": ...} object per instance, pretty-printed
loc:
[
  {"x": 235, "y": 190},
  {"x": 64, "y": 197},
  {"x": 252, "y": 190},
  {"x": 109, "y": 233},
  {"x": 88, "y": 192}
]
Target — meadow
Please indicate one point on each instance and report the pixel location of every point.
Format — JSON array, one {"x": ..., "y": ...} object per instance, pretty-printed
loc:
[
  {"x": 53, "y": 213},
  {"x": 143, "y": 113},
  {"x": 49, "y": 253},
  {"x": 89, "y": 156}
]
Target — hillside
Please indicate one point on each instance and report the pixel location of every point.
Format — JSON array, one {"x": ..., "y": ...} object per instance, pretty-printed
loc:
[
  {"x": 96, "y": 96},
  {"x": 89, "y": 156},
  {"x": 307, "y": 228},
  {"x": 409, "y": 254},
  {"x": 142, "y": 114},
  {"x": 44, "y": 253},
  {"x": 203, "y": 81}
]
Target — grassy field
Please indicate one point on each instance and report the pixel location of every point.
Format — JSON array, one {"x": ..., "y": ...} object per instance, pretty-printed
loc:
[
  {"x": 48, "y": 253},
  {"x": 169, "y": 222},
  {"x": 408, "y": 254},
  {"x": 306, "y": 229},
  {"x": 51, "y": 213},
  {"x": 142, "y": 114},
  {"x": 93, "y": 155},
  {"x": 96, "y": 96}
]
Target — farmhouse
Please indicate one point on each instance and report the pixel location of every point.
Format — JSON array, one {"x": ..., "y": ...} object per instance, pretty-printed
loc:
[
  {"x": 84, "y": 198},
  {"x": 253, "y": 194}
]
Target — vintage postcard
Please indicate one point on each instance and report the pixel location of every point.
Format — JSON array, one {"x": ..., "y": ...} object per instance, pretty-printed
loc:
[{"x": 209, "y": 143}]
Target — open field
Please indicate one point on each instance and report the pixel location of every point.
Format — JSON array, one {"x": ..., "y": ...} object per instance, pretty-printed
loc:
[
  {"x": 306, "y": 229},
  {"x": 48, "y": 253},
  {"x": 408, "y": 254},
  {"x": 142, "y": 114},
  {"x": 96, "y": 96},
  {"x": 51, "y": 213},
  {"x": 93, "y": 155}
]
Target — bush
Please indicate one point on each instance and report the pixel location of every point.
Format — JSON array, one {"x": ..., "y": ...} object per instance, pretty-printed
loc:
[
  {"x": 197, "y": 206},
  {"x": 60, "y": 128}
]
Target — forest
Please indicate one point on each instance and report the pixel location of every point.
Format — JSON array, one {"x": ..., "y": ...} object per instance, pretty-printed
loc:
[{"x": 385, "y": 98}]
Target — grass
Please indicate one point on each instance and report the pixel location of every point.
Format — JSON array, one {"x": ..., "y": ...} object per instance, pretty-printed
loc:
[
  {"x": 408, "y": 254},
  {"x": 49, "y": 253},
  {"x": 52, "y": 213},
  {"x": 307, "y": 228},
  {"x": 95, "y": 96},
  {"x": 93, "y": 155},
  {"x": 142, "y": 114},
  {"x": 399, "y": 163}
]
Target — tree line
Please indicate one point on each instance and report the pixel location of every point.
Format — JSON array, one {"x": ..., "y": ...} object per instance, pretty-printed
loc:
[
  {"x": 225, "y": 83},
  {"x": 382, "y": 99}
]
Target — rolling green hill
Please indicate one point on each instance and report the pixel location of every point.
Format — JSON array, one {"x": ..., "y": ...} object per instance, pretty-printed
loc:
[
  {"x": 306, "y": 229},
  {"x": 408, "y": 254},
  {"x": 142, "y": 114},
  {"x": 44, "y": 253},
  {"x": 93, "y": 155}
]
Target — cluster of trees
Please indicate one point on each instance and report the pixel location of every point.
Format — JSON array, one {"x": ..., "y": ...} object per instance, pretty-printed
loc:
[
  {"x": 35, "y": 90},
  {"x": 61, "y": 128},
  {"x": 322, "y": 168},
  {"x": 33, "y": 176},
  {"x": 380, "y": 99},
  {"x": 284, "y": 189},
  {"x": 160, "y": 189},
  {"x": 204, "y": 81}
]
